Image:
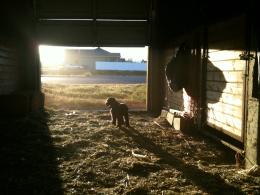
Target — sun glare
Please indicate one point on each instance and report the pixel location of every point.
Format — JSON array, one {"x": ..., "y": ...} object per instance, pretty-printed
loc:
[{"x": 51, "y": 55}]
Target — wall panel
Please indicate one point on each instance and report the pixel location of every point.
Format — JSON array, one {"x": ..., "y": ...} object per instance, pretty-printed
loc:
[
  {"x": 8, "y": 70},
  {"x": 224, "y": 91},
  {"x": 64, "y": 9},
  {"x": 93, "y": 22}
]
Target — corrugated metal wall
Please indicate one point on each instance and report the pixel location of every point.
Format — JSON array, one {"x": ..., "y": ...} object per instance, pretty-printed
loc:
[{"x": 92, "y": 23}]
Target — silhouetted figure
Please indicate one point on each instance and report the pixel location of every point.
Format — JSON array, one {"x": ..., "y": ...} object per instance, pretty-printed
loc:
[
  {"x": 181, "y": 72},
  {"x": 177, "y": 69}
]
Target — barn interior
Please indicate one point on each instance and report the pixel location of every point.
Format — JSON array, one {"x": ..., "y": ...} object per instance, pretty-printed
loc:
[{"x": 220, "y": 93}]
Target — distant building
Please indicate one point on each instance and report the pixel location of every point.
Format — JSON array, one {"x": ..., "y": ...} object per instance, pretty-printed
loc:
[
  {"x": 87, "y": 58},
  {"x": 123, "y": 66}
]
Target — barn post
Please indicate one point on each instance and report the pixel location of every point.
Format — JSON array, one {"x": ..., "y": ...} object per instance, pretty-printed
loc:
[
  {"x": 155, "y": 71},
  {"x": 202, "y": 77},
  {"x": 155, "y": 82},
  {"x": 19, "y": 36},
  {"x": 252, "y": 124},
  {"x": 30, "y": 57}
]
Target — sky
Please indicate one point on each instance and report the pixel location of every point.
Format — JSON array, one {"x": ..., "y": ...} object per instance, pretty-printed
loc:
[{"x": 54, "y": 55}]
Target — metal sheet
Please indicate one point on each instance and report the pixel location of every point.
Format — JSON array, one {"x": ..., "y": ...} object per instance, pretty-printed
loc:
[
  {"x": 122, "y": 33},
  {"x": 67, "y": 33}
]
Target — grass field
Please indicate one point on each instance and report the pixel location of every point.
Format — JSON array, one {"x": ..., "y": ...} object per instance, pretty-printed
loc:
[{"x": 93, "y": 96}]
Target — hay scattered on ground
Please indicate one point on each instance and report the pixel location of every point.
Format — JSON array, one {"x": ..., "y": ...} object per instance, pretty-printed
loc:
[{"x": 82, "y": 153}]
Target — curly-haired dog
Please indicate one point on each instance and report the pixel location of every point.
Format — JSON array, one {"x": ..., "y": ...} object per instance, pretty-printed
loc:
[{"x": 118, "y": 111}]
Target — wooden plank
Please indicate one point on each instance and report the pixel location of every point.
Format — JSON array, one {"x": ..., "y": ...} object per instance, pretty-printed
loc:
[
  {"x": 6, "y": 61},
  {"x": 7, "y": 76},
  {"x": 224, "y": 98},
  {"x": 6, "y": 54},
  {"x": 6, "y": 49},
  {"x": 236, "y": 133},
  {"x": 8, "y": 87},
  {"x": 224, "y": 55},
  {"x": 177, "y": 123},
  {"x": 231, "y": 76},
  {"x": 170, "y": 118},
  {"x": 226, "y": 109},
  {"x": 225, "y": 119},
  {"x": 7, "y": 69},
  {"x": 227, "y": 65},
  {"x": 232, "y": 88},
  {"x": 7, "y": 82},
  {"x": 164, "y": 113}
]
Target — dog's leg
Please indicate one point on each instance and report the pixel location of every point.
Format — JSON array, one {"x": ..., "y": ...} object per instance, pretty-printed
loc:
[
  {"x": 126, "y": 119},
  {"x": 120, "y": 120},
  {"x": 113, "y": 116}
]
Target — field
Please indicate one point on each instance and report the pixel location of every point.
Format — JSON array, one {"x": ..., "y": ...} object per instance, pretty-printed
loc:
[
  {"x": 93, "y": 96},
  {"x": 68, "y": 152}
]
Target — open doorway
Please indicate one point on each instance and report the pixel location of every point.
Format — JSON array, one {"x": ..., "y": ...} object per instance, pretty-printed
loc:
[{"x": 82, "y": 78}]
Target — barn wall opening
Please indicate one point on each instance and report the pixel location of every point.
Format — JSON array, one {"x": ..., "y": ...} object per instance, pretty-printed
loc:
[{"x": 82, "y": 78}]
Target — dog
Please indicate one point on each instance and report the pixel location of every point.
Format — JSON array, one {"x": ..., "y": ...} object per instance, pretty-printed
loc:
[{"x": 118, "y": 112}]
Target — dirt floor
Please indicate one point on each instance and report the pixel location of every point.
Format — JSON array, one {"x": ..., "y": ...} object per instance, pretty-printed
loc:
[{"x": 65, "y": 152}]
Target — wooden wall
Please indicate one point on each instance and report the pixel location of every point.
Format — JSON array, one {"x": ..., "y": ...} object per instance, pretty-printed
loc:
[
  {"x": 9, "y": 77},
  {"x": 224, "y": 91},
  {"x": 221, "y": 98}
]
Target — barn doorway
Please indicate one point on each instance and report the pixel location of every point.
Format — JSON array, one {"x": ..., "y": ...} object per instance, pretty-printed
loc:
[{"x": 81, "y": 78}]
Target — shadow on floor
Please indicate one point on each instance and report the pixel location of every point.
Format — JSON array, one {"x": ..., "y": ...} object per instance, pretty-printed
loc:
[
  {"x": 212, "y": 184},
  {"x": 28, "y": 157}
]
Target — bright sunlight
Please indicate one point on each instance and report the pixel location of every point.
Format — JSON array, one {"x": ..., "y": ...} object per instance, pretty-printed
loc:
[{"x": 51, "y": 56}]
